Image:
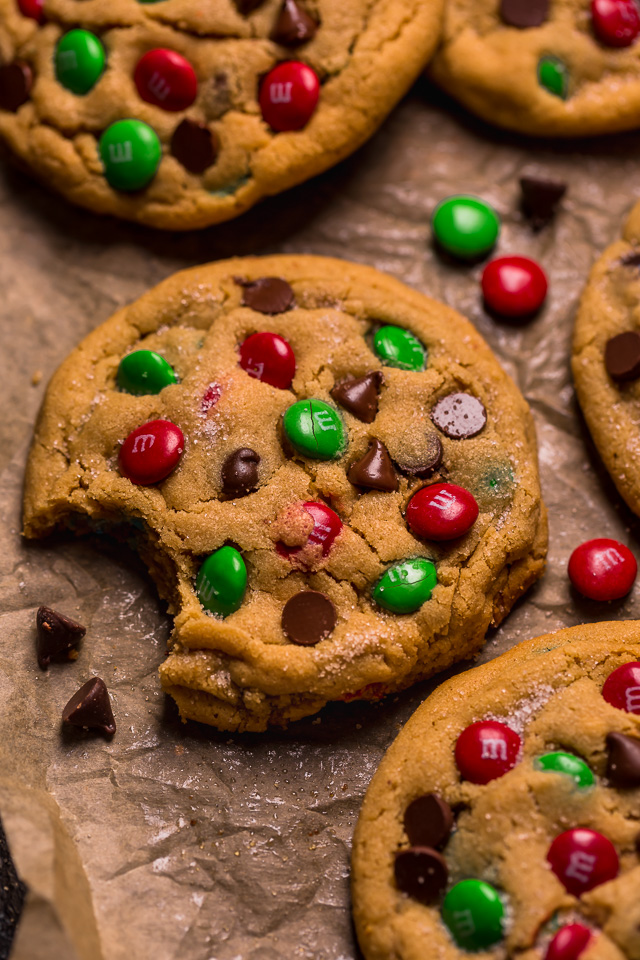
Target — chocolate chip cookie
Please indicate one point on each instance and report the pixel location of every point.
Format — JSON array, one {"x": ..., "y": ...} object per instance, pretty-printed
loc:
[
  {"x": 504, "y": 817},
  {"x": 179, "y": 114},
  {"x": 332, "y": 481}
]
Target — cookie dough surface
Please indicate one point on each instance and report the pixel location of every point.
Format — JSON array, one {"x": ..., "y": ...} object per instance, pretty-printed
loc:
[
  {"x": 243, "y": 672},
  {"x": 366, "y": 54},
  {"x": 549, "y": 690}
]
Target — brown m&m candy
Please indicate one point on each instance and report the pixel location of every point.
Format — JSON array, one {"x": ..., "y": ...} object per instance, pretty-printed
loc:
[
  {"x": 91, "y": 707},
  {"x": 623, "y": 763},
  {"x": 293, "y": 26},
  {"x": 428, "y": 821},
  {"x": 56, "y": 634},
  {"x": 540, "y": 198},
  {"x": 622, "y": 356},
  {"x": 421, "y": 873},
  {"x": 524, "y": 13},
  {"x": 459, "y": 415},
  {"x": 16, "y": 80},
  {"x": 360, "y": 396},
  {"x": 268, "y": 295},
  {"x": 308, "y": 617},
  {"x": 374, "y": 470},
  {"x": 240, "y": 472},
  {"x": 194, "y": 145}
]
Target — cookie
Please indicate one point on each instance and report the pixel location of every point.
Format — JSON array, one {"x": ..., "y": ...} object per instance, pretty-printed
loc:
[
  {"x": 561, "y": 68},
  {"x": 180, "y": 114},
  {"x": 504, "y": 817},
  {"x": 330, "y": 478},
  {"x": 606, "y": 359}
]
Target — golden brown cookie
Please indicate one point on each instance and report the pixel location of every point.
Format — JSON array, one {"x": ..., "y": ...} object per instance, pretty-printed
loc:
[
  {"x": 331, "y": 479},
  {"x": 504, "y": 819}
]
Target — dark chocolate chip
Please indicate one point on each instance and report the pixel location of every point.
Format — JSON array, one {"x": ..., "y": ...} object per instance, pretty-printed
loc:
[
  {"x": 638, "y": 844},
  {"x": 194, "y": 145},
  {"x": 360, "y": 397},
  {"x": 293, "y": 26},
  {"x": 12, "y": 894},
  {"x": 91, "y": 707},
  {"x": 308, "y": 617},
  {"x": 267, "y": 295},
  {"x": 431, "y": 461},
  {"x": 631, "y": 259},
  {"x": 247, "y": 6},
  {"x": 524, "y": 13},
  {"x": 15, "y": 85},
  {"x": 375, "y": 470},
  {"x": 622, "y": 356},
  {"x": 56, "y": 635},
  {"x": 240, "y": 472},
  {"x": 422, "y": 873},
  {"x": 623, "y": 763},
  {"x": 459, "y": 415},
  {"x": 540, "y": 197},
  {"x": 428, "y": 821}
]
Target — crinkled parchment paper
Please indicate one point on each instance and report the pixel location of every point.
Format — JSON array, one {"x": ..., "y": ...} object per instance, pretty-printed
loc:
[{"x": 198, "y": 846}]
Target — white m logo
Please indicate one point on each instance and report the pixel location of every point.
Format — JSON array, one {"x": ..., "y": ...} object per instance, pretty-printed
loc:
[
  {"x": 493, "y": 749},
  {"x": 159, "y": 86},
  {"x": 280, "y": 92},
  {"x": 463, "y": 920},
  {"x": 324, "y": 420},
  {"x": 143, "y": 442},
  {"x": 632, "y": 699},
  {"x": 581, "y": 866},
  {"x": 120, "y": 152}
]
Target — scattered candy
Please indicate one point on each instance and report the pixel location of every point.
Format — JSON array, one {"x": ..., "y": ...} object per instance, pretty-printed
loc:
[
  {"x": 268, "y": 357},
  {"x": 360, "y": 396},
  {"x": 616, "y": 22},
  {"x": 474, "y": 914},
  {"x": 239, "y": 472},
  {"x": 151, "y": 452},
  {"x": 222, "y": 581},
  {"x": 486, "y": 750},
  {"x": 194, "y": 145},
  {"x": 406, "y": 586},
  {"x": 582, "y": 859},
  {"x": 91, "y": 707},
  {"x": 16, "y": 80},
  {"x": 465, "y": 227},
  {"x": 540, "y": 198},
  {"x": 143, "y": 372},
  {"x": 622, "y": 688},
  {"x": 308, "y": 617},
  {"x": 421, "y": 873},
  {"x": 79, "y": 61},
  {"x": 326, "y": 527},
  {"x": 568, "y": 943},
  {"x": 514, "y": 286},
  {"x": 524, "y": 13},
  {"x": 623, "y": 762},
  {"x": 398, "y": 348},
  {"x": 554, "y": 76},
  {"x": 375, "y": 470},
  {"x": 131, "y": 154},
  {"x": 602, "y": 569},
  {"x": 428, "y": 821},
  {"x": 289, "y": 95},
  {"x": 55, "y": 635},
  {"x": 567, "y": 764},
  {"x": 622, "y": 356},
  {"x": 166, "y": 79},
  {"x": 294, "y": 26},
  {"x": 459, "y": 415},
  {"x": 441, "y": 511},
  {"x": 270, "y": 295},
  {"x": 314, "y": 429},
  {"x": 32, "y": 9}
]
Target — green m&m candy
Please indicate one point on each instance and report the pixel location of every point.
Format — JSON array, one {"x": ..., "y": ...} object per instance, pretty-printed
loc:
[
  {"x": 553, "y": 76},
  {"x": 221, "y": 581},
  {"x": 79, "y": 60},
  {"x": 130, "y": 152},
  {"x": 399, "y": 348},
  {"x": 466, "y": 227},
  {"x": 474, "y": 914},
  {"x": 406, "y": 585},
  {"x": 145, "y": 371},
  {"x": 570, "y": 765},
  {"x": 314, "y": 429}
]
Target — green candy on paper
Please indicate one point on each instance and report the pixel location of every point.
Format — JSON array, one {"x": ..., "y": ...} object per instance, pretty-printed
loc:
[
  {"x": 406, "y": 586},
  {"x": 144, "y": 372},
  {"x": 474, "y": 914},
  {"x": 398, "y": 348},
  {"x": 466, "y": 227},
  {"x": 222, "y": 581}
]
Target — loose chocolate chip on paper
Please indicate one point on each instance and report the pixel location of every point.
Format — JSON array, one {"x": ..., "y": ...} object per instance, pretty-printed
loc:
[
  {"x": 422, "y": 873},
  {"x": 15, "y": 85},
  {"x": 360, "y": 396},
  {"x": 428, "y": 821},
  {"x": 622, "y": 356},
  {"x": 430, "y": 462},
  {"x": 540, "y": 198},
  {"x": 374, "y": 470},
  {"x": 194, "y": 145},
  {"x": 268, "y": 295},
  {"x": 524, "y": 13},
  {"x": 55, "y": 635},
  {"x": 91, "y": 707},
  {"x": 459, "y": 415},
  {"x": 308, "y": 617},
  {"x": 293, "y": 26},
  {"x": 623, "y": 763},
  {"x": 240, "y": 472}
]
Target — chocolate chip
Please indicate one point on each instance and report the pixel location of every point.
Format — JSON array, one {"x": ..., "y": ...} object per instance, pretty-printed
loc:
[
  {"x": 638, "y": 844},
  {"x": 631, "y": 259},
  {"x": 360, "y": 397},
  {"x": 540, "y": 197},
  {"x": 267, "y": 295},
  {"x": 623, "y": 763},
  {"x": 524, "y": 13},
  {"x": 431, "y": 461},
  {"x": 622, "y": 356},
  {"x": 12, "y": 895},
  {"x": 428, "y": 821},
  {"x": 375, "y": 470},
  {"x": 194, "y": 145},
  {"x": 422, "y": 873},
  {"x": 240, "y": 472},
  {"x": 216, "y": 96},
  {"x": 459, "y": 415},
  {"x": 247, "y": 6},
  {"x": 15, "y": 85},
  {"x": 91, "y": 707},
  {"x": 308, "y": 617},
  {"x": 56, "y": 634},
  {"x": 293, "y": 26}
]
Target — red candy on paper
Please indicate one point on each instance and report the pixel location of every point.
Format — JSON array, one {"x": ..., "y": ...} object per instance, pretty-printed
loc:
[
  {"x": 268, "y": 357},
  {"x": 622, "y": 688},
  {"x": 616, "y": 22},
  {"x": 583, "y": 859},
  {"x": 289, "y": 96},
  {"x": 326, "y": 527},
  {"x": 166, "y": 79},
  {"x": 151, "y": 452},
  {"x": 441, "y": 511},
  {"x": 32, "y": 9},
  {"x": 602, "y": 569},
  {"x": 486, "y": 750},
  {"x": 569, "y": 942},
  {"x": 514, "y": 286}
]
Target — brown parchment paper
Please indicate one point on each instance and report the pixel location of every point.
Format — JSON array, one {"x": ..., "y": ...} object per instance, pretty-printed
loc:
[{"x": 199, "y": 846}]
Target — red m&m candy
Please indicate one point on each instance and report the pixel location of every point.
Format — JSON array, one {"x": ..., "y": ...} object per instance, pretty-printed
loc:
[
  {"x": 441, "y": 511},
  {"x": 616, "y": 22},
  {"x": 166, "y": 79},
  {"x": 289, "y": 96},
  {"x": 622, "y": 688},
  {"x": 486, "y": 750},
  {"x": 268, "y": 357},
  {"x": 569, "y": 942},
  {"x": 602, "y": 569},
  {"x": 32, "y": 9},
  {"x": 583, "y": 859},
  {"x": 326, "y": 527},
  {"x": 514, "y": 286},
  {"x": 151, "y": 452}
]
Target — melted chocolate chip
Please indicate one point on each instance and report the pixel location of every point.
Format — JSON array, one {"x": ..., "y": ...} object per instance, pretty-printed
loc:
[
  {"x": 194, "y": 145},
  {"x": 269, "y": 295},
  {"x": 56, "y": 635},
  {"x": 308, "y": 617},
  {"x": 13, "y": 892},
  {"x": 240, "y": 472},
  {"x": 623, "y": 763},
  {"x": 422, "y": 873},
  {"x": 524, "y": 13},
  {"x": 360, "y": 397},
  {"x": 432, "y": 459},
  {"x": 91, "y": 707},
  {"x": 247, "y": 6},
  {"x": 428, "y": 821},
  {"x": 622, "y": 356},
  {"x": 375, "y": 470},
  {"x": 540, "y": 197},
  {"x": 459, "y": 415},
  {"x": 293, "y": 26},
  {"x": 631, "y": 259},
  {"x": 15, "y": 85}
]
